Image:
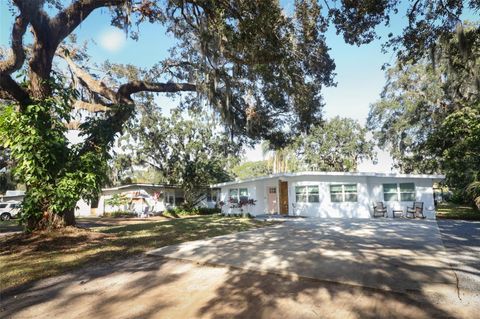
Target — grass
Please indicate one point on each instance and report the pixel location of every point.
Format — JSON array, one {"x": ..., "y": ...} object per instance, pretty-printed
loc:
[
  {"x": 26, "y": 258},
  {"x": 9, "y": 225},
  {"x": 456, "y": 211}
]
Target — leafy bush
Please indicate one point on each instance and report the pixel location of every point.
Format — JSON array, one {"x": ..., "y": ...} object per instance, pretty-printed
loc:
[
  {"x": 177, "y": 212},
  {"x": 208, "y": 211},
  {"x": 121, "y": 214},
  {"x": 458, "y": 197}
]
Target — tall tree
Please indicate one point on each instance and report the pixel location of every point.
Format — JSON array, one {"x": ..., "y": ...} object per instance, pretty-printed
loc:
[
  {"x": 191, "y": 153},
  {"x": 281, "y": 159},
  {"x": 245, "y": 59},
  {"x": 251, "y": 169},
  {"x": 428, "y": 113},
  {"x": 337, "y": 145}
]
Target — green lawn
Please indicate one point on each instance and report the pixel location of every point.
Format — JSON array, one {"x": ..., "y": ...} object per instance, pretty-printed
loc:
[
  {"x": 455, "y": 211},
  {"x": 25, "y": 258}
]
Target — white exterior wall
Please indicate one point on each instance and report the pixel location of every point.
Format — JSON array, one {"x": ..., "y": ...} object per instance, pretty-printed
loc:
[
  {"x": 423, "y": 193},
  {"x": 82, "y": 209},
  {"x": 254, "y": 192},
  {"x": 369, "y": 191},
  {"x": 325, "y": 207}
]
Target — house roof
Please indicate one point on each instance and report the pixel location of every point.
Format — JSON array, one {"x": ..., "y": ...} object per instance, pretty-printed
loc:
[
  {"x": 355, "y": 174},
  {"x": 139, "y": 185}
]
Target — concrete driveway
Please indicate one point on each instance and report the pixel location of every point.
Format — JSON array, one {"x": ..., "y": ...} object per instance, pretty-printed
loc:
[
  {"x": 395, "y": 255},
  {"x": 315, "y": 258},
  {"x": 462, "y": 243}
]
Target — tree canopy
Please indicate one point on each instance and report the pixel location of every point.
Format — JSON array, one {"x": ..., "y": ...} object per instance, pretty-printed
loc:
[
  {"x": 428, "y": 115},
  {"x": 251, "y": 169},
  {"x": 190, "y": 152},
  {"x": 337, "y": 145}
]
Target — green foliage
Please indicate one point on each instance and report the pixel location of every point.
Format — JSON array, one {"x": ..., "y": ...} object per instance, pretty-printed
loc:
[
  {"x": 429, "y": 116},
  {"x": 457, "y": 143},
  {"x": 56, "y": 174},
  {"x": 118, "y": 200},
  {"x": 191, "y": 153},
  {"x": 473, "y": 190},
  {"x": 337, "y": 145},
  {"x": 457, "y": 197},
  {"x": 177, "y": 212},
  {"x": 121, "y": 214},
  {"x": 260, "y": 69},
  {"x": 251, "y": 169}
]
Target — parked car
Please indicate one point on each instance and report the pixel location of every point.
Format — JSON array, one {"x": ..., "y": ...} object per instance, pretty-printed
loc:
[{"x": 9, "y": 210}]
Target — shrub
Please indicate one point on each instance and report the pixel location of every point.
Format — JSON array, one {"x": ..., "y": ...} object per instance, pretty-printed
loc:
[
  {"x": 208, "y": 211},
  {"x": 177, "y": 212},
  {"x": 121, "y": 214},
  {"x": 458, "y": 197}
]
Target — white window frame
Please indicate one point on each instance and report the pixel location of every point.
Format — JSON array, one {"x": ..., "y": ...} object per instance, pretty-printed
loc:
[
  {"x": 399, "y": 192},
  {"x": 308, "y": 194},
  {"x": 212, "y": 195},
  {"x": 344, "y": 193},
  {"x": 238, "y": 196}
]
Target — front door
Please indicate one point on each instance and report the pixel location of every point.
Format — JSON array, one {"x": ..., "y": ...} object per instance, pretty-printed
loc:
[
  {"x": 283, "y": 186},
  {"x": 272, "y": 200}
]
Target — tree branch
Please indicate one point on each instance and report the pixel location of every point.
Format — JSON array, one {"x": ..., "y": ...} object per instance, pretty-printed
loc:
[
  {"x": 91, "y": 83},
  {"x": 125, "y": 90},
  {"x": 14, "y": 89},
  {"x": 17, "y": 55},
  {"x": 73, "y": 125},
  {"x": 32, "y": 11},
  {"x": 91, "y": 107},
  {"x": 10, "y": 88},
  {"x": 68, "y": 19}
]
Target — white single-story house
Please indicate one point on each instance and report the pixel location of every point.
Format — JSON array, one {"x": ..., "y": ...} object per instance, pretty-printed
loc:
[
  {"x": 151, "y": 198},
  {"x": 329, "y": 194}
]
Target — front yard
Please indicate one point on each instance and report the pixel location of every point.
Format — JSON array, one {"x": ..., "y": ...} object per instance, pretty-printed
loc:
[
  {"x": 26, "y": 258},
  {"x": 456, "y": 211}
]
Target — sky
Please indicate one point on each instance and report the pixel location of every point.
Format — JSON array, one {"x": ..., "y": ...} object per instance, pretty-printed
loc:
[{"x": 359, "y": 75}]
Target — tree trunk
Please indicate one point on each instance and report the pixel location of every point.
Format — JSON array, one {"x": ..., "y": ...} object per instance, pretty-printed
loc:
[
  {"x": 40, "y": 68},
  {"x": 69, "y": 218}
]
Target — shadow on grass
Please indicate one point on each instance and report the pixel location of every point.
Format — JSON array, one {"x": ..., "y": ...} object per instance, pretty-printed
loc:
[
  {"x": 9, "y": 226},
  {"x": 26, "y": 258},
  {"x": 150, "y": 287}
]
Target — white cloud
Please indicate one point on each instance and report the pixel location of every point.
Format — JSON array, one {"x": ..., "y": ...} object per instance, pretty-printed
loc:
[{"x": 112, "y": 39}]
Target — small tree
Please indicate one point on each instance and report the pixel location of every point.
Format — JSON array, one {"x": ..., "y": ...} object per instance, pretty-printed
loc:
[{"x": 118, "y": 200}]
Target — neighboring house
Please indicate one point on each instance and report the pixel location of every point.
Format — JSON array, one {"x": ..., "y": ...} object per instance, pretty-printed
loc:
[
  {"x": 151, "y": 197},
  {"x": 329, "y": 194},
  {"x": 16, "y": 196},
  {"x": 154, "y": 198}
]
